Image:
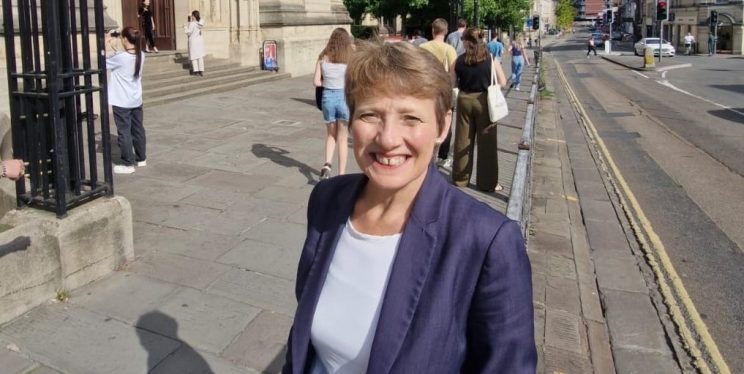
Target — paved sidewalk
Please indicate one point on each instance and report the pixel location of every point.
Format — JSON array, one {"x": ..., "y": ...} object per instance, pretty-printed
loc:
[{"x": 219, "y": 221}]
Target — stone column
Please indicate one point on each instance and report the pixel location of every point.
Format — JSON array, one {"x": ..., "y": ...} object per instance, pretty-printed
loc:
[
  {"x": 738, "y": 40},
  {"x": 301, "y": 29},
  {"x": 245, "y": 37}
]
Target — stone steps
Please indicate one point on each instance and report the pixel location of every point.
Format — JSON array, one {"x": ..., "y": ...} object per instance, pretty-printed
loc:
[{"x": 167, "y": 77}]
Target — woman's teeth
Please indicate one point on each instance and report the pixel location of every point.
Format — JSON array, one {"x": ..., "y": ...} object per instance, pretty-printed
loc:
[{"x": 390, "y": 161}]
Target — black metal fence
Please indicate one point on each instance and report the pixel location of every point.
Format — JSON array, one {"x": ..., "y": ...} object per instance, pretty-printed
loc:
[{"x": 53, "y": 100}]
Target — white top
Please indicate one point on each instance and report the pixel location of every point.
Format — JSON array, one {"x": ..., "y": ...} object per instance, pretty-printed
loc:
[
  {"x": 196, "y": 41},
  {"x": 333, "y": 75},
  {"x": 124, "y": 90},
  {"x": 348, "y": 310},
  {"x": 689, "y": 39}
]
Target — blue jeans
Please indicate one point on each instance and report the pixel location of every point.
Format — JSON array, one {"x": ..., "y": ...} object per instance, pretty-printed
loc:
[
  {"x": 517, "y": 64},
  {"x": 334, "y": 106},
  {"x": 131, "y": 134}
]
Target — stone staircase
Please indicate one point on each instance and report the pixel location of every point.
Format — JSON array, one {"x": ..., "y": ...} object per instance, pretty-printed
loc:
[{"x": 166, "y": 77}]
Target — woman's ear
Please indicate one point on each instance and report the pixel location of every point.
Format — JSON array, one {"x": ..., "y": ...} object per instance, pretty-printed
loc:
[{"x": 445, "y": 128}]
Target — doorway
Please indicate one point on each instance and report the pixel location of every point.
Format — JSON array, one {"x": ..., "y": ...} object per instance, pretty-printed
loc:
[{"x": 165, "y": 38}]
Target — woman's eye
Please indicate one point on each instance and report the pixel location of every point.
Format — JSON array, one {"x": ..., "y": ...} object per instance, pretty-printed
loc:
[
  {"x": 411, "y": 120},
  {"x": 368, "y": 117}
]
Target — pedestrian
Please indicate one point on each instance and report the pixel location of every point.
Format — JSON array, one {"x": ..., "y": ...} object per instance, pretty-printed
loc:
[
  {"x": 418, "y": 39},
  {"x": 689, "y": 39},
  {"x": 495, "y": 47},
  {"x": 519, "y": 59},
  {"x": 711, "y": 45},
  {"x": 329, "y": 73},
  {"x": 473, "y": 75},
  {"x": 147, "y": 21},
  {"x": 405, "y": 273},
  {"x": 196, "y": 43},
  {"x": 446, "y": 55},
  {"x": 13, "y": 169},
  {"x": 125, "y": 97},
  {"x": 455, "y": 38},
  {"x": 590, "y": 46}
]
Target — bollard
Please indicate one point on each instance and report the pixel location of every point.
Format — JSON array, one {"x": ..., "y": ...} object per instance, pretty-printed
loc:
[{"x": 648, "y": 58}]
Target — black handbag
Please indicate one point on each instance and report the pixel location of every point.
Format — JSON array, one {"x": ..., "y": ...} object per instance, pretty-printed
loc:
[{"x": 319, "y": 97}]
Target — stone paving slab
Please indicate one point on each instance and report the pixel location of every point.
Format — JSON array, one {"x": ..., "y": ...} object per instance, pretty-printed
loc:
[
  {"x": 74, "y": 340},
  {"x": 208, "y": 322},
  {"x": 125, "y": 296},
  {"x": 14, "y": 363}
]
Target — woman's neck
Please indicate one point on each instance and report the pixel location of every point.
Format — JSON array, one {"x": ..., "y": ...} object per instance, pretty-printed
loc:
[{"x": 382, "y": 212}]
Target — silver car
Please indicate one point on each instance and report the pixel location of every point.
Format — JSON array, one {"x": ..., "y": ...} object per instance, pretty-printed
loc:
[{"x": 666, "y": 48}]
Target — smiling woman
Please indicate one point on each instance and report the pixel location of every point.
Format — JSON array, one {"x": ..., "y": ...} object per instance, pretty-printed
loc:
[{"x": 405, "y": 261}]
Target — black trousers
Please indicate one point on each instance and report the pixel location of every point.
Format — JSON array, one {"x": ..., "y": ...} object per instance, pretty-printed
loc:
[
  {"x": 589, "y": 49},
  {"x": 131, "y": 134},
  {"x": 149, "y": 36}
]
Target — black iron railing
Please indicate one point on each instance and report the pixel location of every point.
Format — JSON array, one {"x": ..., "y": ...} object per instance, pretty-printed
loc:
[{"x": 53, "y": 102}]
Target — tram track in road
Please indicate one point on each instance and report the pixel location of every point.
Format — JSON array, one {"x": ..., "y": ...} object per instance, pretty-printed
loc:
[{"x": 691, "y": 327}]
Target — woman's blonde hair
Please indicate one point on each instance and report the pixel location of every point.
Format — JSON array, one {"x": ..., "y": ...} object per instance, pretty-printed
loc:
[
  {"x": 339, "y": 47},
  {"x": 395, "y": 69}
]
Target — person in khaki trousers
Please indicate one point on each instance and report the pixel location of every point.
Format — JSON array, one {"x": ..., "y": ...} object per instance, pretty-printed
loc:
[{"x": 473, "y": 71}]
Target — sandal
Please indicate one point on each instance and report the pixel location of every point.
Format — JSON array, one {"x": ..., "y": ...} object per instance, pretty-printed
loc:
[{"x": 325, "y": 171}]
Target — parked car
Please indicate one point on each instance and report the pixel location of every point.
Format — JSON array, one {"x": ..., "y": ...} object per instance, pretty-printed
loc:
[
  {"x": 598, "y": 39},
  {"x": 666, "y": 48},
  {"x": 617, "y": 35}
]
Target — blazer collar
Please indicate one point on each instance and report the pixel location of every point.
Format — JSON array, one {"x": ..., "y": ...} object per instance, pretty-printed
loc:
[
  {"x": 330, "y": 230},
  {"x": 411, "y": 267}
]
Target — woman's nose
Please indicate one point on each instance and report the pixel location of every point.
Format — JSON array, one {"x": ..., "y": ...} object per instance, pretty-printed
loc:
[{"x": 388, "y": 135}]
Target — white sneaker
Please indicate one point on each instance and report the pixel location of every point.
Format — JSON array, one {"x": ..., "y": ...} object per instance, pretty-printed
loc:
[
  {"x": 141, "y": 163},
  {"x": 517, "y": 88},
  {"x": 123, "y": 169}
]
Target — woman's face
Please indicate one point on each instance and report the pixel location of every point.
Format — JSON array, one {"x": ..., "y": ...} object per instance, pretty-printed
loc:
[
  {"x": 394, "y": 140},
  {"x": 146, "y": 2}
]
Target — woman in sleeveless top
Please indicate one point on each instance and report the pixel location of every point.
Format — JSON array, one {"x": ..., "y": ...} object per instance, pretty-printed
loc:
[
  {"x": 519, "y": 58},
  {"x": 329, "y": 74}
]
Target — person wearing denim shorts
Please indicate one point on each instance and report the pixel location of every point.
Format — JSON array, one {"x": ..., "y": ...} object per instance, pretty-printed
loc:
[{"x": 330, "y": 72}]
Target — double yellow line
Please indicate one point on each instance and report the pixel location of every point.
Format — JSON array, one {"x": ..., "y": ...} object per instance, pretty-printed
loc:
[{"x": 670, "y": 284}]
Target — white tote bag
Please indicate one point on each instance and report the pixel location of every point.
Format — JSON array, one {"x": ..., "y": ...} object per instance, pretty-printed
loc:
[{"x": 497, "y": 108}]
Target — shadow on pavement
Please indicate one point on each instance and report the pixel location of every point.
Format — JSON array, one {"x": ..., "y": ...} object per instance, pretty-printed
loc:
[
  {"x": 276, "y": 365},
  {"x": 279, "y": 157},
  {"x": 310, "y": 102},
  {"x": 738, "y": 88},
  {"x": 729, "y": 115},
  {"x": 165, "y": 325}
]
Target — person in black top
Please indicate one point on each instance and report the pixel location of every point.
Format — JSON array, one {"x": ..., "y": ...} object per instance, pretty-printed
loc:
[
  {"x": 472, "y": 72},
  {"x": 147, "y": 19}
]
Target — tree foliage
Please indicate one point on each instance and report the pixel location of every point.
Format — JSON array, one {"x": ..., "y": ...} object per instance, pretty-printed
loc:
[
  {"x": 565, "y": 13},
  {"x": 492, "y": 13},
  {"x": 500, "y": 13}
]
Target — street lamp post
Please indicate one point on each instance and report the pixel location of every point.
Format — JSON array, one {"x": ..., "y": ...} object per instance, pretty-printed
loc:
[{"x": 476, "y": 15}]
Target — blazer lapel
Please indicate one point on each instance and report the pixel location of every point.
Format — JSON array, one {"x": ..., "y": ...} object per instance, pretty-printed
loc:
[
  {"x": 409, "y": 274},
  {"x": 331, "y": 227}
]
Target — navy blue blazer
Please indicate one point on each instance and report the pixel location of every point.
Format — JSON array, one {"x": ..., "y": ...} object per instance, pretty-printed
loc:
[{"x": 459, "y": 297}]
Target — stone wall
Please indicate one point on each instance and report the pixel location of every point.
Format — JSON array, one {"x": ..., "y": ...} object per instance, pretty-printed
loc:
[{"x": 41, "y": 254}]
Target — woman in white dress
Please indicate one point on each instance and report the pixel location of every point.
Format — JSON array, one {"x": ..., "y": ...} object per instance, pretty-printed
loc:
[{"x": 196, "y": 43}]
